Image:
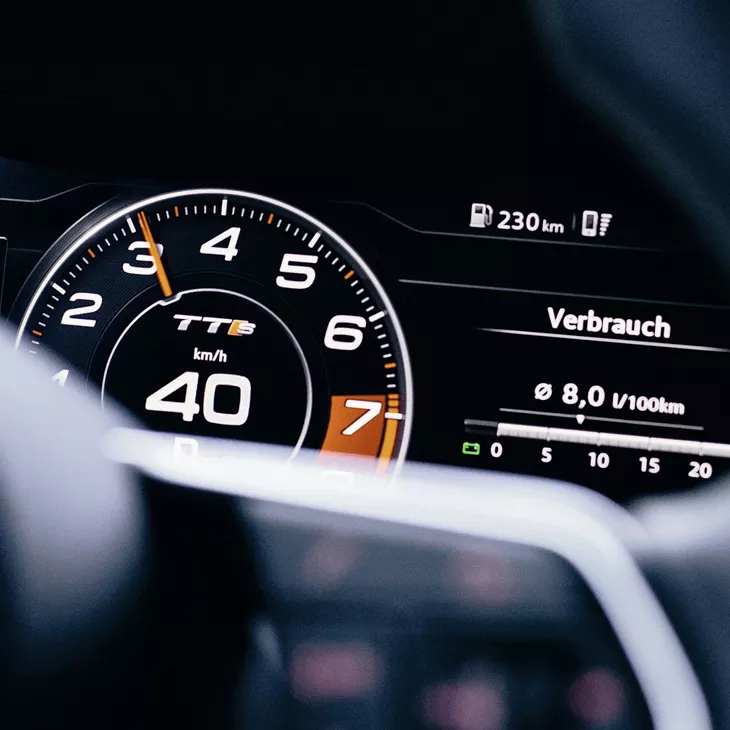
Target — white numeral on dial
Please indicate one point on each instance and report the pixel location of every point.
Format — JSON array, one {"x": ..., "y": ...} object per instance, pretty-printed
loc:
[
  {"x": 291, "y": 263},
  {"x": 223, "y": 244},
  {"x": 73, "y": 316},
  {"x": 142, "y": 258},
  {"x": 60, "y": 378},
  {"x": 371, "y": 408},
  {"x": 349, "y": 338}
]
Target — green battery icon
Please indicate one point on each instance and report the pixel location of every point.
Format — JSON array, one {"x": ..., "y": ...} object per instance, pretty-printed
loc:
[{"x": 470, "y": 449}]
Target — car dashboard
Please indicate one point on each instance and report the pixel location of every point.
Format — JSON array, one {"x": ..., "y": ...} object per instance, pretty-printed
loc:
[
  {"x": 501, "y": 292},
  {"x": 388, "y": 378},
  {"x": 555, "y": 332},
  {"x": 550, "y": 316}
]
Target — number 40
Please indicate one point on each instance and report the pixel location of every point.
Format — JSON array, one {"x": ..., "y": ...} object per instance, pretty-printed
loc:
[{"x": 188, "y": 408}]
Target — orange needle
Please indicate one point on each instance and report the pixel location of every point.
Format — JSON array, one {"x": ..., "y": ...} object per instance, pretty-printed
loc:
[{"x": 154, "y": 252}]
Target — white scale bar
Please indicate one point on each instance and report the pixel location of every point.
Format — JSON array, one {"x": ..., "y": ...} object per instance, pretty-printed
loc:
[{"x": 618, "y": 440}]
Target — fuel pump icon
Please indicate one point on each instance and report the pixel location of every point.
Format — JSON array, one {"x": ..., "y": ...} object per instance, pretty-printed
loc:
[{"x": 481, "y": 215}]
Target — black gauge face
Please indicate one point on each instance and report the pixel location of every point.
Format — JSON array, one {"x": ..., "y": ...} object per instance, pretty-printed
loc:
[{"x": 226, "y": 314}]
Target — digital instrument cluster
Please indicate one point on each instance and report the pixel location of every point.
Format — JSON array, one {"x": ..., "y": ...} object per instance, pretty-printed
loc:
[
  {"x": 556, "y": 334},
  {"x": 218, "y": 313}
]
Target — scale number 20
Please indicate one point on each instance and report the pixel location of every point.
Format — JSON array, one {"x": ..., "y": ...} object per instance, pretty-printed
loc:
[{"x": 700, "y": 469}]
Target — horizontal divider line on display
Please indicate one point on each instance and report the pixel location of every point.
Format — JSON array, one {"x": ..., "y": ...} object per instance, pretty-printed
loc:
[
  {"x": 578, "y": 295},
  {"x": 611, "y": 340}
]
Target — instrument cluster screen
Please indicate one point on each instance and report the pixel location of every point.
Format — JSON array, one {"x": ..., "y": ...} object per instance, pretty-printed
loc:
[
  {"x": 543, "y": 330},
  {"x": 588, "y": 344}
]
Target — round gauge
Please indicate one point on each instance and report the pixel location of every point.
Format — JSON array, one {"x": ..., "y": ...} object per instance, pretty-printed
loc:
[{"x": 225, "y": 314}]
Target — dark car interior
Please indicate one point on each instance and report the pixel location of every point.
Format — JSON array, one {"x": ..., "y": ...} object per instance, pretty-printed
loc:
[{"x": 371, "y": 377}]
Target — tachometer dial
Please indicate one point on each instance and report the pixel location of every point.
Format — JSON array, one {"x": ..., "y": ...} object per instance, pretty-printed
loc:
[{"x": 226, "y": 314}]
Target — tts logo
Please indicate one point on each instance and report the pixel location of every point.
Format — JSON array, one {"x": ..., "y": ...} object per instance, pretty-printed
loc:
[{"x": 236, "y": 327}]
